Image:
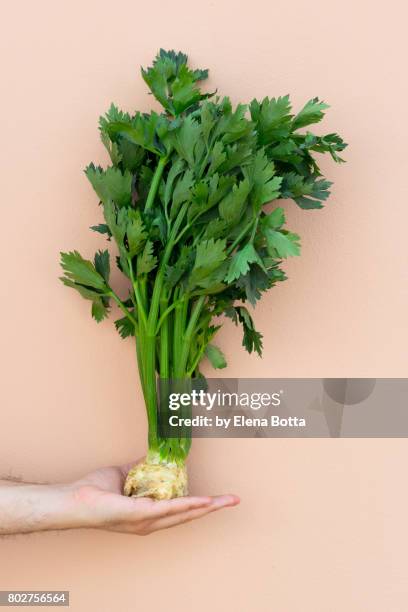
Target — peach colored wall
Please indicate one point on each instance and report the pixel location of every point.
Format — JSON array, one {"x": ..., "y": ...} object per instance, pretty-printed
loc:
[{"x": 322, "y": 524}]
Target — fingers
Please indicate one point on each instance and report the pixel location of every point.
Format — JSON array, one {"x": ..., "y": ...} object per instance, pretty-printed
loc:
[
  {"x": 143, "y": 516},
  {"x": 193, "y": 513},
  {"x": 160, "y": 509}
]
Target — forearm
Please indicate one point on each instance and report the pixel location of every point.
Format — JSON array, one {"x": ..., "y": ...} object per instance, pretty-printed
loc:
[{"x": 25, "y": 508}]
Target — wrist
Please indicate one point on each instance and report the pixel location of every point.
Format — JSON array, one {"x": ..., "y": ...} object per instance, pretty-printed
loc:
[
  {"x": 83, "y": 507},
  {"x": 59, "y": 507},
  {"x": 73, "y": 507}
]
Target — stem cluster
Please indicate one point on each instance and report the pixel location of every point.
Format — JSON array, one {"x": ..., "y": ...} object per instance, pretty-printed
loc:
[{"x": 166, "y": 325}]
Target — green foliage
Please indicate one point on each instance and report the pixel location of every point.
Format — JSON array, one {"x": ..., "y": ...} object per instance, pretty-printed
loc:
[
  {"x": 102, "y": 264},
  {"x": 308, "y": 192},
  {"x": 274, "y": 219},
  {"x": 135, "y": 233},
  {"x": 185, "y": 138},
  {"x": 184, "y": 200},
  {"x": 143, "y": 131},
  {"x": 102, "y": 228},
  {"x": 216, "y": 357},
  {"x": 232, "y": 207},
  {"x": 147, "y": 261},
  {"x": 282, "y": 243},
  {"x": 240, "y": 262},
  {"x": 265, "y": 186},
  {"x": 125, "y": 327},
  {"x": 90, "y": 280},
  {"x": 272, "y": 119},
  {"x": 99, "y": 310},
  {"x": 173, "y": 84},
  {"x": 252, "y": 339},
  {"x": 110, "y": 184},
  {"x": 81, "y": 271},
  {"x": 312, "y": 112}
]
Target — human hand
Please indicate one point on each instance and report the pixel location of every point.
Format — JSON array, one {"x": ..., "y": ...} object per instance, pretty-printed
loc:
[
  {"x": 96, "y": 501},
  {"x": 100, "y": 499}
]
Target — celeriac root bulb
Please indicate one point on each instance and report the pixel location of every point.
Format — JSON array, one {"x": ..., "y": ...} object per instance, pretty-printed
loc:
[{"x": 156, "y": 480}]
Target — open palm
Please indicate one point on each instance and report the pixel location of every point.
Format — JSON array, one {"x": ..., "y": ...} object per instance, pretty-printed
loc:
[{"x": 100, "y": 495}]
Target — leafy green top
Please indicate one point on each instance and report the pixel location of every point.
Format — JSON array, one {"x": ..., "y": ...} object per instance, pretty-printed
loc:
[{"x": 184, "y": 200}]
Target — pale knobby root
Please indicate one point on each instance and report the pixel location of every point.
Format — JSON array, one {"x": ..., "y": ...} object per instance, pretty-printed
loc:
[{"x": 159, "y": 480}]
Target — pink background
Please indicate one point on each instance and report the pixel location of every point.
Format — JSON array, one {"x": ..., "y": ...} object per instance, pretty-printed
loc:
[{"x": 322, "y": 524}]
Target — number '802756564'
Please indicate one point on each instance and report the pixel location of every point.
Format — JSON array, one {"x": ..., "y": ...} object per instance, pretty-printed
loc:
[{"x": 26, "y": 598}]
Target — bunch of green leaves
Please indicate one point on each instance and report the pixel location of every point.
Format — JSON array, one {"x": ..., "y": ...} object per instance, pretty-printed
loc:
[{"x": 184, "y": 200}]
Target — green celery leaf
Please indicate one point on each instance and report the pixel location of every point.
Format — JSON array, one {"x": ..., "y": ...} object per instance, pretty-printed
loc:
[
  {"x": 233, "y": 125},
  {"x": 182, "y": 266},
  {"x": 112, "y": 148},
  {"x": 86, "y": 292},
  {"x": 200, "y": 194},
  {"x": 239, "y": 265},
  {"x": 176, "y": 169},
  {"x": 308, "y": 192},
  {"x": 99, "y": 310},
  {"x": 208, "y": 119},
  {"x": 142, "y": 131},
  {"x": 184, "y": 90},
  {"x": 216, "y": 228},
  {"x": 182, "y": 192},
  {"x": 100, "y": 304},
  {"x": 265, "y": 186},
  {"x": 233, "y": 205},
  {"x": 185, "y": 139},
  {"x": 219, "y": 186},
  {"x": 146, "y": 262},
  {"x": 102, "y": 264},
  {"x": 330, "y": 143},
  {"x": 82, "y": 271},
  {"x": 131, "y": 154},
  {"x": 135, "y": 232},
  {"x": 213, "y": 282},
  {"x": 252, "y": 340},
  {"x": 172, "y": 83},
  {"x": 157, "y": 78},
  {"x": 272, "y": 119},
  {"x": 210, "y": 254},
  {"x": 116, "y": 227},
  {"x": 217, "y": 157},
  {"x": 113, "y": 114},
  {"x": 144, "y": 181},
  {"x": 125, "y": 327},
  {"x": 111, "y": 184},
  {"x": 282, "y": 243},
  {"x": 254, "y": 283},
  {"x": 275, "y": 219},
  {"x": 312, "y": 112},
  {"x": 238, "y": 155},
  {"x": 286, "y": 151},
  {"x": 215, "y": 356},
  {"x": 102, "y": 228}
]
